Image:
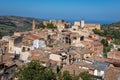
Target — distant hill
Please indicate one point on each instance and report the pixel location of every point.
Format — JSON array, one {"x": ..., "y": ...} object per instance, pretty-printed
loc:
[
  {"x": 112, "y": 27},
  {"x": 113, "y": 31},
  {"x": 10, "y": 24}
]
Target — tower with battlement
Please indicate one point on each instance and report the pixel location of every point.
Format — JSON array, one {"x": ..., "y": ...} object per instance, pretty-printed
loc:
[
  {"x": 11, "y": 46},
  {"x": 33, "y": 25}
]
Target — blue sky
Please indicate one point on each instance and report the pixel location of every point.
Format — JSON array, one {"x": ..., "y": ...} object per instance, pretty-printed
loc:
[{"x": 92, "y": 10}]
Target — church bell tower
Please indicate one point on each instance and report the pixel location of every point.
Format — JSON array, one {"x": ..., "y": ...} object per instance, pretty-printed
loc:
[{"x": 82, "y": 23}]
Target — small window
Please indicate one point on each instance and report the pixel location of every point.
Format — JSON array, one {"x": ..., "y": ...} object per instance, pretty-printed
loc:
[
  {"x": 23, "y": 49},
  {"x": 74, "y": 29},
  {"x": 74, "y": 38},
  {"x": 28, "y": 49},
  {"x": 81, "y": 38}
]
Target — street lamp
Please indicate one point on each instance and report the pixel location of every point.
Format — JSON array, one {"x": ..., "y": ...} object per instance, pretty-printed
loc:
[{"x": 1, "y": 52}]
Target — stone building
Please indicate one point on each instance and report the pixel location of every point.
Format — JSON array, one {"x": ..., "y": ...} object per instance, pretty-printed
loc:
[{"x": 85, "y": 26}]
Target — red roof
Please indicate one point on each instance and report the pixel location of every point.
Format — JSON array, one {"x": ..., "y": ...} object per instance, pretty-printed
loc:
[
  {"x": 108, "y": 38},
  {"x": 34, "y": 36},
  {"x": 1, "y": 63},
  {"x": 116, "y": 64}
]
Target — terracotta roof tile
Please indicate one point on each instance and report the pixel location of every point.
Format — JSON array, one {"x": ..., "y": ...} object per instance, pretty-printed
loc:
[
  {"x": 73, "y": 69},
  {"x": 114, "y": 55},
  {"x": 34, "y": 36},
  {"x": 112, "y": 73},
  {"x": 38, "y": 55}
]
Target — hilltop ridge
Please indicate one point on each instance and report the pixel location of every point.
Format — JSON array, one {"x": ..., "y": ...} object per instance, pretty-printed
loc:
[{"x": 10, "y": 24}]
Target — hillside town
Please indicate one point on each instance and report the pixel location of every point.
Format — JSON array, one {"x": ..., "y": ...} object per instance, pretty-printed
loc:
[{"x": 71, "y": 47}]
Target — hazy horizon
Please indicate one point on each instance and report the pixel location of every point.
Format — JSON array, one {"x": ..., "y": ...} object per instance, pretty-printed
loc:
[
  {"x": 96, "y": 11},
  {"x": 70, "y": 20}
]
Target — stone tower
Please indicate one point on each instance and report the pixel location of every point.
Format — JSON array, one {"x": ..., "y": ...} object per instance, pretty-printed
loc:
[
  {"x": 82, "y": 23},
  {"x": 11, "y": 46},
  {"x": 33, "y": 25}
]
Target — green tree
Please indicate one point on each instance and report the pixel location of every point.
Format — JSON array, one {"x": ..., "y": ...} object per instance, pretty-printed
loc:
[
  {"x": 49, "y": 75},
  {"x": 104, "y": 42},
  {"x": 35, "y": 71},
  {"x": 97, "y": 31},
  {"x": 66, "y": 75},
  {"x": 118, "y": 49},
  {"x": 116, "y": 41},
  {"x": 11, "y": 32},
  {"x": 106, "y": 47},
  {"x": 51, "y": 26},
  {"x": 86, "y": 76},
  {"x": 41, "y": 25},
  {"x": 59, "y": 76},
  {"x": 75, "y": 77}
]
